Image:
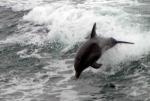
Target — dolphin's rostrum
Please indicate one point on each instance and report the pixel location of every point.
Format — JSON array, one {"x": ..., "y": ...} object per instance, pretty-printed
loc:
[{"x": 92, "y": 50}]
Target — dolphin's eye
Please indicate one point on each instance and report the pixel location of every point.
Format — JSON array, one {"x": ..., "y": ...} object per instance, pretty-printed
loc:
[{"x": 113, "y": 41}]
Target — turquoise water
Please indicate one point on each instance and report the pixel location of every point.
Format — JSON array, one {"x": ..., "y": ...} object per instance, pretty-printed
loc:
[{"x": 39, "y": 40}]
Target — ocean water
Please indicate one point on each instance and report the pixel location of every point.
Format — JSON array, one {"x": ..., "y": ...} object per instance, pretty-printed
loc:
[{"x": 39, "y": 40}]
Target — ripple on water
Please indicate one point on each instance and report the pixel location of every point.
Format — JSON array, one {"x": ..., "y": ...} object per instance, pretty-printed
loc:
[{"x": 14, "y": 95}]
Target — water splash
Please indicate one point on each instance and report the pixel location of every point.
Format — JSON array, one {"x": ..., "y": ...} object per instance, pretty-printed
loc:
[{"x": 76, "y": 22}]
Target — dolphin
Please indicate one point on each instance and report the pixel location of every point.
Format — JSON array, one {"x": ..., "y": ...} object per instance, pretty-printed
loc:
[{"x": 92, "y": 50}]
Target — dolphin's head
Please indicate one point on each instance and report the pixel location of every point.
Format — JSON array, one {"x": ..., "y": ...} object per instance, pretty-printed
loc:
[{"x": 111, "y": 42}]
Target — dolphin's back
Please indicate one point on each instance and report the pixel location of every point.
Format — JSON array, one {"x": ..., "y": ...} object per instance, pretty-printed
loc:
[{"x": 89, "y": 53}]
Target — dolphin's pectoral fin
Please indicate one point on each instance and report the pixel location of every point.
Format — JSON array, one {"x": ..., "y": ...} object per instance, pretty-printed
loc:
[{"x": 96, "y": 65}]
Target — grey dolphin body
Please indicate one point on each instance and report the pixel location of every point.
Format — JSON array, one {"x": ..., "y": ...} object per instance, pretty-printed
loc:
[{"x": 92, "y": 50}]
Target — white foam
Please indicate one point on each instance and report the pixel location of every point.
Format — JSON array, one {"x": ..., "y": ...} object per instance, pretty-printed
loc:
[
  {"x": 74, "y": 24},
  {"x": 69, "y": 95},
  {"x": 70, "y": 24},
  {"x": 25, "y": 39},
  {"x": 23, "y": 54},
  {"x": 19, "y": 5}
]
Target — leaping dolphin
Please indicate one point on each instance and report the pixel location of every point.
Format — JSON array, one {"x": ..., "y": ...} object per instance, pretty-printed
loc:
[{"x": 92, "y": 50}]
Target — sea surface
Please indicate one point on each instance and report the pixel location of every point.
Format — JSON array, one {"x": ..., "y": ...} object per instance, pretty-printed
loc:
[{"x": 39, "y": 40}]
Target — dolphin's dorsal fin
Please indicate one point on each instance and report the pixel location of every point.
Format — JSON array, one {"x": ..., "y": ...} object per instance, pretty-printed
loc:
[{"x": 93, "y": 32}]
